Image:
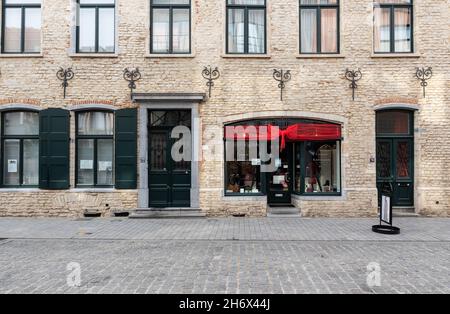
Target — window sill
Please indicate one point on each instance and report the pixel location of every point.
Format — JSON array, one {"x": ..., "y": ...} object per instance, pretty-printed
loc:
[
  {"x": 93, "y": 55},
  {"x": 24, "y": 190},
  {"x": 92, "y": 190},
  {"x": 250, "y": 197},
  {"x": 321, "y": 56},
  {"x": 246, "y": 56},
  {"x": 21, "y": 55},
  {"x": 323, "y": 197},
  {"x": 395, "y": 55},
  {"x": 162, "y": 55}
]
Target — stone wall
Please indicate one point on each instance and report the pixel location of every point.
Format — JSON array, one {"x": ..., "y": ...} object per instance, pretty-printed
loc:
[{"x": 247, "y": 87}]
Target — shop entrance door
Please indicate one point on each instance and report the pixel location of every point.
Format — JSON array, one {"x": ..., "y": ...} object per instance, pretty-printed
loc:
[
  {"x": 169, "y": 180},
  {"x": 279, "y": 183},
  {"x": 395, "y": 169}
]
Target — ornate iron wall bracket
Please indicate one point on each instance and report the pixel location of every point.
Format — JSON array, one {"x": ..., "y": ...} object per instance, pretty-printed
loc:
[
  {"x": 65, "y": 75},
  {"x": 423, "y": 75},
  {"x": 210, "y": 75},
  {"x": 282, "y": 78},
  {"x": 353, "y": 76},
  {"x": 132, "y": 76}
]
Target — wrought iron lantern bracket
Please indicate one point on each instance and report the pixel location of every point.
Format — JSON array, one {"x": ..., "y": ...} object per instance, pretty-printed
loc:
[
  {"x": 65, "y": 75},
  {"x": 423, "y": 75},
  {"x": 282, "y": 78},
  {"x": 210, "y": 75},
  {"x": 353, "y": 76},
  {"x": 132, "y": 76}
]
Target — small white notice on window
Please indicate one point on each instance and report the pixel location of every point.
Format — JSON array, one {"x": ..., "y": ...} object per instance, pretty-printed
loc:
[
  {"x": 104, "y": 166},
  {"x": 86, "y": 164},
  {"x": 12, "y": 165}
]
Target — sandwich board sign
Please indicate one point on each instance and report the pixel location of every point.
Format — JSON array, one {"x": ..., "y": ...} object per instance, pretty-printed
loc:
[{"x": 386, "y": 215}]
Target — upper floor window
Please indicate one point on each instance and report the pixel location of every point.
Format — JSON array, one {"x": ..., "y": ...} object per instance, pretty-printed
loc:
[
  {"x": 393, "y": 26},
  {"x": 319, "y": 26},
  {"x": 246, "y": 27},
  {"x": 21, "y": 29},
  {"x": 95, "y": 149},
  {"x": 96, "y": 26},
  {"x": 170, "y": 26},
  {"x": 20, "y": 148}
]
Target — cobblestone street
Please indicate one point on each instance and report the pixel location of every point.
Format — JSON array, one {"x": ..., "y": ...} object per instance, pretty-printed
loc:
[{"x": 223, "y": 256}]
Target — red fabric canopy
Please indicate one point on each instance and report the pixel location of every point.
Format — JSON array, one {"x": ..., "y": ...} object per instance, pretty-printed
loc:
[{"x": 296, "y": 132}]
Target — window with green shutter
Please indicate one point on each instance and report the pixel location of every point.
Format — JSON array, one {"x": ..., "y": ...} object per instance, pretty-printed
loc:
[
  {"x": 126, "y": 149},
  {"x": 54, "y": 143}
]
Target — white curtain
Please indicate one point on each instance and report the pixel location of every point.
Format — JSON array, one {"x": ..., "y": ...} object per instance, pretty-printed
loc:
[
  {"x": 236, "y": 31},
  {"x": 402, "y": 30},
  {"x": 382, "y": 37},
  {"x": 329, "y": 30},
  {"x": 308, "y": 31},
  {"x": 256, "y": 31}
]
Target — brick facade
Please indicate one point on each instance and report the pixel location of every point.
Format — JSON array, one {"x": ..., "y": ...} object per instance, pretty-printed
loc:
[{"x": 246, "y": 88}]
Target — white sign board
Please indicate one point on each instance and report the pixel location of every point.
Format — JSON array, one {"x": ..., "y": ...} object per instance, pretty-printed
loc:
[
  {"x": 86, "y": 164},
  {"x": 386, "y": 209},
  {"x": 12, "y": 165}
]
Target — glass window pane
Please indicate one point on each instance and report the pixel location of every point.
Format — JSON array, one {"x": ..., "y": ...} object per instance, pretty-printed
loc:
[
  {"x": 322, "y": 172},
  {"x": 329, "y": 34},
  {"x": 21, "y": 123},
  {"x": 256, "y": 31},
  {"x": 384, "y": 159},
  {"x": 392, "y": 1},
  {"x": 85, "y": 162},
  {"x": 30, "y": 162},
  {"x": 12, "y": 30},
  {"x": 158, "y": 152},
  {"x": 181, "y": 30},
  {"x": 105, "y": 162},
  {"x": 246, "y": 2},
  {"x": 308, "y": 30},
  {"x": 244, "y": 172},
  {"x": 402, "y": 30},
  {"x": 393, "y": 122},
  {"x": 96, "y": 123},
  {"x": 161, "y": 31},
  {"x": 23, "y": 1},
  {"x": 106, "y": 30},
  {"x": 97, "y": 1},
  {"x": 318, "y": 2},
  {"x": 87, "y": 30},
  {"x": 236, "y": 30},
  {"x": 382, "y": 34},
  {"x": 171, "y": 2},
  {"x": 11, "y": 162},
  {"x": 403, "y": 161},
  {"x": 32, "y": 30}
]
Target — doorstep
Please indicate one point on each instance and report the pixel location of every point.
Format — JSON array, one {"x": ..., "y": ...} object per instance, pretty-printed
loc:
[
  {"x": 404, "y": 212},
  {"x": 163, "y": 213},
  {"x": 283, "y": 212}
]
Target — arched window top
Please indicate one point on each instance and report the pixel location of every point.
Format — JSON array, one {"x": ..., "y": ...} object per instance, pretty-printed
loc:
[
  {"x": 394, "y": 122},
  {"x": 95, "y": 123},
  {"x": 20, "y": 123}
]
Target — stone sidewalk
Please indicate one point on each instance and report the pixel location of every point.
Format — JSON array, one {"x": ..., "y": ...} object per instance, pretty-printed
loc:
[
  {"x": 264, "y": 229},
  {"x": 247, "y": 256}
]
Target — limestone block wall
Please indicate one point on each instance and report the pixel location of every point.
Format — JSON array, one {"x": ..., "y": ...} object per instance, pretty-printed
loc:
[{"x": 246, "y": 88}]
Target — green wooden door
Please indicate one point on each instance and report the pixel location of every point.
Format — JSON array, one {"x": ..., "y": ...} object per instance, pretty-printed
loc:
[
  {"x": 169, "y": 180},
  {"x": 395, "y": 169}
]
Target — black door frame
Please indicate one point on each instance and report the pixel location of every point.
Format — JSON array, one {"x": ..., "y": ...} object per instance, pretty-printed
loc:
[
  {"x": 395, "y": 183},
  {"x": 170, "y": 163},
  {"x": 287, "y": 195}
]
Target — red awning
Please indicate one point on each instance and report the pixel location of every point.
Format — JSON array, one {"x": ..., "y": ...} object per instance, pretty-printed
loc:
[{"x": 295, "y": 132}]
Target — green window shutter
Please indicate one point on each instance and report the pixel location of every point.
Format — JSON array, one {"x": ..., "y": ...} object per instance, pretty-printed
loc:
[
  {"x": 54, "y": 154},
  {"x": 126, "y": 149}
]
